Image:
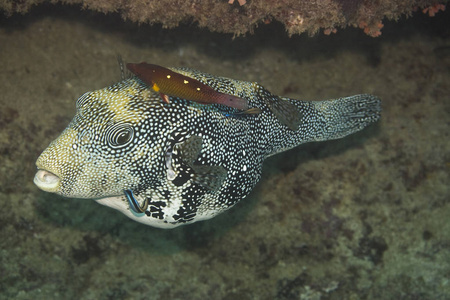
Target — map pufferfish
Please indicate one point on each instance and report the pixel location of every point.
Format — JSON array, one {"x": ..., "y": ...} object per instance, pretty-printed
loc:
[{"x": 164, "y": 159}]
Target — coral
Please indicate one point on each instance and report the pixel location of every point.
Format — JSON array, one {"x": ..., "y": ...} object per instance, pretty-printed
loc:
[
  {"x": 242, "y": 17},
  {"x": 329, "y": 31},
  {"x": 373, "y": 30},
  {"x": 433, "y": 9}
]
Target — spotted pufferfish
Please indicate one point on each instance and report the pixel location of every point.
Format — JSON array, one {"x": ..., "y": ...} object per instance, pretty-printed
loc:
[{"x": 146, "y": 147}]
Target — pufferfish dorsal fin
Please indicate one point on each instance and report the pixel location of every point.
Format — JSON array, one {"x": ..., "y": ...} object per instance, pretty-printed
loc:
[
  {"x": 286, "y": 112},
  {"x": 184, "y": 155}
]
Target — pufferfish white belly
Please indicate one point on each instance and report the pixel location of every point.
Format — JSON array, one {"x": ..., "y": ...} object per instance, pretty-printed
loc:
[{"x": 174, "y": 146}]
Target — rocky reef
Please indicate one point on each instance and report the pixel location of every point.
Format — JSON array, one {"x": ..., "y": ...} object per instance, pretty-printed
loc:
[{"x": 240, "y": 17}]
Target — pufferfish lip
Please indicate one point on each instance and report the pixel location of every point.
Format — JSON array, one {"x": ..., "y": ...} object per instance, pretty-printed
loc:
[{"x": 47, "y": 181}]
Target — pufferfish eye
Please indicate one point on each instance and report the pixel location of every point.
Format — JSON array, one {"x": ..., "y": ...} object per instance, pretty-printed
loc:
[{"x": 119, "y": 135}]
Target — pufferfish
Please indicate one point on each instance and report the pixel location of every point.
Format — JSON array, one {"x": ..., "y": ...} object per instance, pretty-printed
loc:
[{"x": 150, "y": 149}]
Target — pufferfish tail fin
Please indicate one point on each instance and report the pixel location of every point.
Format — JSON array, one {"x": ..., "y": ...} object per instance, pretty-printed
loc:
[{"x": 344, "y": 116}]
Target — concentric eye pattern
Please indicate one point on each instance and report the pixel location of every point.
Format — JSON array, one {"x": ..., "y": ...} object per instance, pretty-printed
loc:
[{"x": 119, "y": 135}]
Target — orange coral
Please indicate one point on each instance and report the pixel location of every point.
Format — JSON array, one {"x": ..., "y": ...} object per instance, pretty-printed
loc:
[
  {"x": 329, "y": 31},
  {"x": 433, "y": 9},
  {"x": 373, "y": 30}
]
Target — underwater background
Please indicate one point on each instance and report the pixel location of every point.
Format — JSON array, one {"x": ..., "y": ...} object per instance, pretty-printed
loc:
[{"x": 364, "y": 217}]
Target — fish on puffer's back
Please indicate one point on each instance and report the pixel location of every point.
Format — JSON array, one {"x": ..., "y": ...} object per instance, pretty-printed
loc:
[{"x": 166, "y": 164}]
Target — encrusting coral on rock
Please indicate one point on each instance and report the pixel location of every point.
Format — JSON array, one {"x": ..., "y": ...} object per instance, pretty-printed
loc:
[{"x": 240, "y": 17}]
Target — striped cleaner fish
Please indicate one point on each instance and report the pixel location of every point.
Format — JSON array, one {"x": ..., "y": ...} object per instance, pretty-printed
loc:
[{"x": 173, "y": 161}]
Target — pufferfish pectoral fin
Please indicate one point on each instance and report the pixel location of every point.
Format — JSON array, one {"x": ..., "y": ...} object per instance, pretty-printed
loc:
[
  {"x": 183, "y": 156},
  {"x": 209, "y": 177}
]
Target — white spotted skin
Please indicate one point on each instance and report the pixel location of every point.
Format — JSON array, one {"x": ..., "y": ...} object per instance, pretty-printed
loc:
[{"x": 121, "y": 136}]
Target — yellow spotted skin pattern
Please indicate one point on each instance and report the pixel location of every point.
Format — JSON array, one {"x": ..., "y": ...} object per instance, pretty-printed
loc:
[{"x": 182, "y": 161}]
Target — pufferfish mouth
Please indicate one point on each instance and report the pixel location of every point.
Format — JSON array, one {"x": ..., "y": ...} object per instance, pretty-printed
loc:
[{"x": 47, "y": 181}]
